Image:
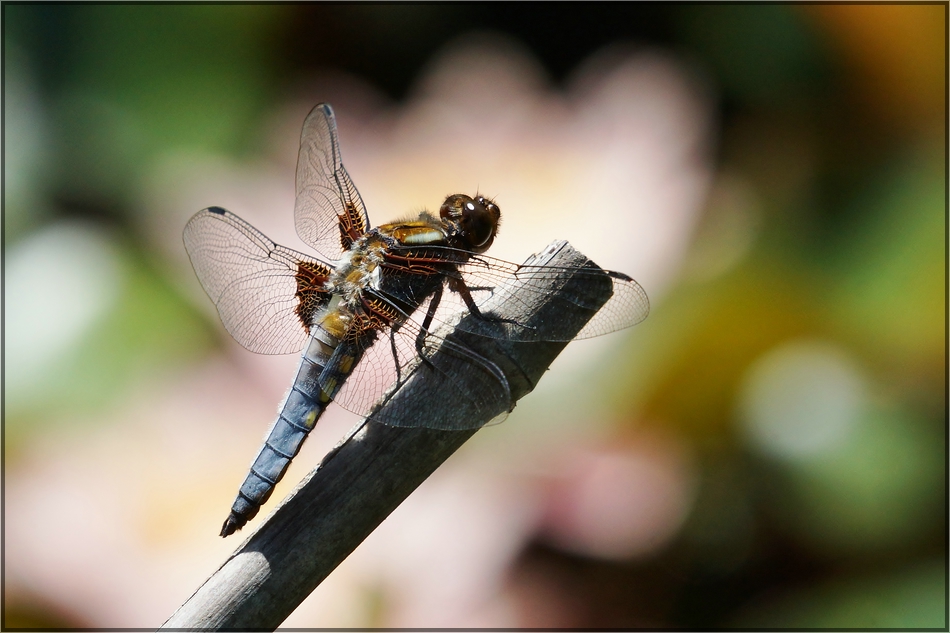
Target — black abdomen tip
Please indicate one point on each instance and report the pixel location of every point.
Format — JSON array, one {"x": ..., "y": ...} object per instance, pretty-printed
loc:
[{"x": 232, "y": 524}]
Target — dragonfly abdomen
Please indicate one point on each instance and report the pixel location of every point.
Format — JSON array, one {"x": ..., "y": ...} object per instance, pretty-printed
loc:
[{"x": 303, "y": 406}]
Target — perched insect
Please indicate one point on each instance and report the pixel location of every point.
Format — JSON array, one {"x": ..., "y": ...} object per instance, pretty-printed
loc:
[{"x": 363, "y": 309}]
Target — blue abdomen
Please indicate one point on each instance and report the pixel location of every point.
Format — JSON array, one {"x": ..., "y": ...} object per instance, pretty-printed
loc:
[{"x": 303, "y": 407}]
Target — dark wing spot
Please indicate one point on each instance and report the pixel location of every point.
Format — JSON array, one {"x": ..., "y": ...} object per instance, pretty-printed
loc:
[{"x": 311, "y": 293}]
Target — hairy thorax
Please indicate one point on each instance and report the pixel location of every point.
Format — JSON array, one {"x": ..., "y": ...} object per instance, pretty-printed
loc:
[{"x": 360, "y": 275}]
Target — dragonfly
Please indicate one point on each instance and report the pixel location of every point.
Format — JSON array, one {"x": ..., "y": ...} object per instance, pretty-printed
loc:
[{"x": 363, "y": 309}]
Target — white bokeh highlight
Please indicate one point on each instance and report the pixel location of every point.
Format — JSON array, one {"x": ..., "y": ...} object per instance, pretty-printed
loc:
[{"x": 802, "y": 398}]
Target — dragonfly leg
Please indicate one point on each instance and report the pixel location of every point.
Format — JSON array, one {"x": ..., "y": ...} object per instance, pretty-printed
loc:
[
  {"x": 392, "y": 345},
  {"x": 458, "y": 285},
  {"x": 426, "y": 323}
]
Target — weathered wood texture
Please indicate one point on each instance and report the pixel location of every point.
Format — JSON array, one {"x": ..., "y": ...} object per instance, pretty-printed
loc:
[{"x": 366, "y": 477}]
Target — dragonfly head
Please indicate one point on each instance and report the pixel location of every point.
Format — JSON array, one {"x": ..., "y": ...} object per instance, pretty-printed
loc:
[{"x": 473, "y": 222}]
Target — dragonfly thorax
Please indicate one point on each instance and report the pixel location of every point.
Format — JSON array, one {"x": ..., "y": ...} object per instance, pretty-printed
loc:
[{"x": 359, "y": 268}]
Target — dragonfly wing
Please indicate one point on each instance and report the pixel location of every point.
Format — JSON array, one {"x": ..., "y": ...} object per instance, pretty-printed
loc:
[
  {"x": 493, "y": 282},
  {"x": 452, "y": 379},
  {"x": 328, "y": 213},
  {"x": 262, "y": 291}
]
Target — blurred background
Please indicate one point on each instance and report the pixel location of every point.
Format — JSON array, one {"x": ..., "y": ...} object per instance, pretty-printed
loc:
[{"x": 768, "y": 449}]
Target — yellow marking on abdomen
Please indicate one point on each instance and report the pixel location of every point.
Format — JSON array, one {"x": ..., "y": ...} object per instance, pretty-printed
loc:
[
  {"x": 333, "y": 324},
  {"x": 324, "y": 391},
  {"x": 311, "y": 418}
]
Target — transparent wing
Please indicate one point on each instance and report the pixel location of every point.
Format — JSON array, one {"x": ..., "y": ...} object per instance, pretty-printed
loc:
[
  {"x": 254, "y": 283},
  {"x": 328, "y": 213},
  {"x": 493, "y": 281},
  {"x": 471, "y": 388},
  {"x": 501, "y": 281}
]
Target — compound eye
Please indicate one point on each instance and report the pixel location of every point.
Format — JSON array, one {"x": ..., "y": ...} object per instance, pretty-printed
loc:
[
  {"x": 480, "y": 222},
  {"x": 476, "y": 218}
]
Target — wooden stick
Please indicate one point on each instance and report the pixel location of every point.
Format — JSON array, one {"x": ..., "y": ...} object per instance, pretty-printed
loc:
[{"x": 371, "y": 472}]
